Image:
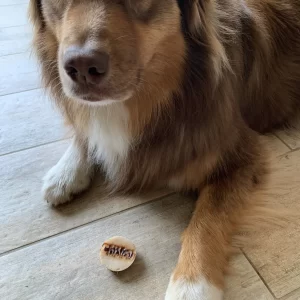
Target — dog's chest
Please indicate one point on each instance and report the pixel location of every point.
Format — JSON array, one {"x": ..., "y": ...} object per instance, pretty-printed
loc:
[{"x": 108, "y": 137}]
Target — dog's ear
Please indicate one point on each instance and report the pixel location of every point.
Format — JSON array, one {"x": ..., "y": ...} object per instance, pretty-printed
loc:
[
  {"x": 193, "y": 14},
  {"x": 199, "y": 19},
  {"x": 35, "y": 14}
]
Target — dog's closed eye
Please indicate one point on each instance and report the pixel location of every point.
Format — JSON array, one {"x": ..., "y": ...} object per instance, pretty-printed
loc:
[{"x": 141, "y": 9}]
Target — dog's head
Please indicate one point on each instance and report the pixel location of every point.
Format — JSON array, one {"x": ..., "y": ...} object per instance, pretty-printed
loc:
[{"x": 105, "y": 50}]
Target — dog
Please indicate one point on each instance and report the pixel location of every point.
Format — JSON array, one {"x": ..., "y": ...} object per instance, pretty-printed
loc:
[{"x": 172, "y": 93}]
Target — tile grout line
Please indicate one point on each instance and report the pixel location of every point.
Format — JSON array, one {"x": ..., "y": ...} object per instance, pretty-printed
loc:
[
  {"x": 19, "y": 92},
  {"x": 11, "y": 54},
  {"x": 288, "y": 294},
  {"x": 36, "y": 146},
  {"x": 16, "y": 4},
  {"x": 81, "y": 226},
  {"x": 286, "y": 144},
  {"x": 289, "y": 152},
  {"x": 258, "y": 274},
  {"x": 6, "y": 27},
  {"x": 14, "y": 26}
]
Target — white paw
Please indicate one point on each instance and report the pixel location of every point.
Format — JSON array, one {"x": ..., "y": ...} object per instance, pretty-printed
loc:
[
  {"x": 182, "y": 289},
  {"x": 68, "y": 177},
  {"x": 60, "y": 185}
]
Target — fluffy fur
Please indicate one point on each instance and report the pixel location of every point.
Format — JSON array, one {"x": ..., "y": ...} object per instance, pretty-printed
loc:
[
  {"x": 185, "y": 290},
  {"x": 193, "y": 84}
]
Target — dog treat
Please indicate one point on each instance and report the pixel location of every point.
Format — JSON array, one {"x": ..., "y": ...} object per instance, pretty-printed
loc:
[{"x": 117, "y": 253}]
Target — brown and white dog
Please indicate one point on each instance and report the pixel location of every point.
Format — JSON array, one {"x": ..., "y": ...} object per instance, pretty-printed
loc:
[{"x": 172, "y": 93}]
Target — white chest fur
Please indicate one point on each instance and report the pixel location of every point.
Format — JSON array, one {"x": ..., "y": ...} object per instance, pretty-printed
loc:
[{"x": 108, "y": 136}]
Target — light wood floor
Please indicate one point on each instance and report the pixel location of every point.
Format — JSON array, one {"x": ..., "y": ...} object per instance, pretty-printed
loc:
[{"x": 48, "y": 253}]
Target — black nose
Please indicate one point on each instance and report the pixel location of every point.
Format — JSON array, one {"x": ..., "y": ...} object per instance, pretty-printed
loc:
[{"x": 85, "y": 66}]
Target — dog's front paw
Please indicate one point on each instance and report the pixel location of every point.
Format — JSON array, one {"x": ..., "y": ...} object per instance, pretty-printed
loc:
[
  {"x": 70, "y": 176},
  {"x": 60, "y": 184},
  {"x": 182, "y": 289}
]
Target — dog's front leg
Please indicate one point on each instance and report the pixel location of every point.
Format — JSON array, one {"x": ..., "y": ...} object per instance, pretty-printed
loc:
[
  {"x": 206, "y": 243},
  {"x": 70, "y": 176}
]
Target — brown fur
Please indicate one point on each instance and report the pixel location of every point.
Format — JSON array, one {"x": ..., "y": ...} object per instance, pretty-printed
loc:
[{"x": 203, "y": 85}]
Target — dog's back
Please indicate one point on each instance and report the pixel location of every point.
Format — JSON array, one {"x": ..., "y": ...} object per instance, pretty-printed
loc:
[{"x": 271, "y": 47}]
